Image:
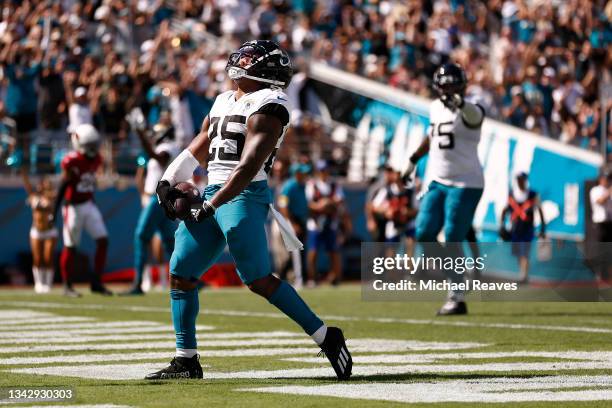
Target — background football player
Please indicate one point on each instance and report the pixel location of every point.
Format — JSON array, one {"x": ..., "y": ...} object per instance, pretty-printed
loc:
[
  {"x": 160, "y": 147},
  {"x": 454, "y": 169},
  {"x": 79, "y": 211},
  {"x": 238, "y": 142}
]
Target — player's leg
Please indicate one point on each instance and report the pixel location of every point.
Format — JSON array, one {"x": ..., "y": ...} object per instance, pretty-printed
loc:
[
  {"x": 166, "y": 228},
  {"x": 331, "y": 246},
  {"x": 312, "y": 257},
  {"x": 48, "y": 272},
  {"x": 71, "y": 234},
  {"x": 430, "y": 218},
  {"x": 197, "y": 247},
  {"x": 459, "y": 210},
  {"x": 94, "y": 225},
  {"x": 243, "y": 224},
  {"x": 145, "y": 229},
  {"x": 36, "y": 246}
]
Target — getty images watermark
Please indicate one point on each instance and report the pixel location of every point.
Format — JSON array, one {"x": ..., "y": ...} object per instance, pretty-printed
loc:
[
  {"x": 459, "y": 265},
  {"x": 487, "y": 271}
]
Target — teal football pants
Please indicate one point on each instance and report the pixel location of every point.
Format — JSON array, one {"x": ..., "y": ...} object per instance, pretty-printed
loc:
[
  {"x": 451, "y": 208},
  {"x": 240, "y": 224},
  {"x": 151, "y": 220}
]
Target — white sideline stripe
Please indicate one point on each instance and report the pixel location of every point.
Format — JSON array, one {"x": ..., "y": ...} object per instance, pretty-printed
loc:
[
  {"x": 434, "y": 358},
  {"x": 162, "y": 336},
  {"x": 136, "y": 371},
  {"x": 484, "y": 391},
  {"x": 357, "y": 345},
  {"x": 102, "y": 331},
  {"x": 44, "y": 320},
  {"x": 60, "y": 305}
]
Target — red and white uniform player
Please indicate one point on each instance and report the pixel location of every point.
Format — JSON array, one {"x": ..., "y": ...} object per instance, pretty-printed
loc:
[{"x": 79, "y": 211}]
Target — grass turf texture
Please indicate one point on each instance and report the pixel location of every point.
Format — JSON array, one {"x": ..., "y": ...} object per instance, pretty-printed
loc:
[{"x": 237, "y": 311}]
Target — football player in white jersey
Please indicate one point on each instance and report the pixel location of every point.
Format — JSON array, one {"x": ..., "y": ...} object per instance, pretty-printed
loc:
[
  {"x": 454, "y": 169},
  {"x": 160, "y": 146},
  {"x": 237, "y": 144}
]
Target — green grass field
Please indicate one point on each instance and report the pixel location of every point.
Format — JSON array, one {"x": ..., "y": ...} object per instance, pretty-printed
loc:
[{"x": 526, "y": 354}]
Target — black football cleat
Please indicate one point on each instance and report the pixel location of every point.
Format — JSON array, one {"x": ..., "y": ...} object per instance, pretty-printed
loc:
[
  {"x": 135, "y": 290},
  {"x": 179, "y": 368},
  {"x": 452, "y": 307},
  {"x": 334, "y": 348},
  {"x": 100, "y": 290}
]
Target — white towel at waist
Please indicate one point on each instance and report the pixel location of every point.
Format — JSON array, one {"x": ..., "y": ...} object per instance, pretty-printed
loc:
[{"x": 291, "y": 241}]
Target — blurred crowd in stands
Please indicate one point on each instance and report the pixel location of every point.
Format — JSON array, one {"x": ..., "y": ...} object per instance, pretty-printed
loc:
[{"x": 536, "y": 64}]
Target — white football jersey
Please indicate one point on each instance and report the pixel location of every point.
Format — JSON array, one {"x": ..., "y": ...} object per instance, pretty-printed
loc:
[
  {"x": 155, "y": 170},
  {"x": 453, "y": 149},
  {"x": 227, "y": 131}
]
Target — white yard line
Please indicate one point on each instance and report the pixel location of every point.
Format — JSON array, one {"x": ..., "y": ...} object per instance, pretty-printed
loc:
[
  {"x": 605, "y": 356},
  {"x": 500, "y": 390},
  {"x": 436, "y": 322},
  {"x": 356, "y": 345},
  {"x": 8, "y": 315},
  {"x": 167, "y": 335},
  {"x": 42, "y": 320},
  {"x": 86, "y": 358},
  {"x": 68, "y": 326},
  {"x": 73, "y": 332},
  {"x": 136, "y": 371}
]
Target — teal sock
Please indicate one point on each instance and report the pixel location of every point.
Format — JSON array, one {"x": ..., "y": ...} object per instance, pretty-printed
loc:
[
  {"x": 290, "y": 303},
  {"x": 185, "y": 307}
]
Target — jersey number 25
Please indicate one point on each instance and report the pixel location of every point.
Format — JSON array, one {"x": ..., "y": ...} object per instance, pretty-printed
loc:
[
  {"x": 239, "y": 137},
  {"x": 444, "y": 131}
]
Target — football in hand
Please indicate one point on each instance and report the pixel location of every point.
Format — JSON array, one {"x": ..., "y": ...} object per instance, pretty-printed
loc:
[{"x": 182, "y": 205}]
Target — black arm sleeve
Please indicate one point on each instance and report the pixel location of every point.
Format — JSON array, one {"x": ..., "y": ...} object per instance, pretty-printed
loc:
[{"x": 277, "y": 110}]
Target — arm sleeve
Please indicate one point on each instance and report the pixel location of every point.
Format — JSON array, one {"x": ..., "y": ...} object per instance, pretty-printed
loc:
[
  {"x": 472, "y": 115},
  {"x": 181, "y": 168},
  {"x": 275, "y": 109}
]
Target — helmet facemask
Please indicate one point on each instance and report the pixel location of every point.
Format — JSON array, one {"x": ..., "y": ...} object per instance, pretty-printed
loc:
[
  {"x": 270, "y": 66},
  {"x": 90, "y": 149}
]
